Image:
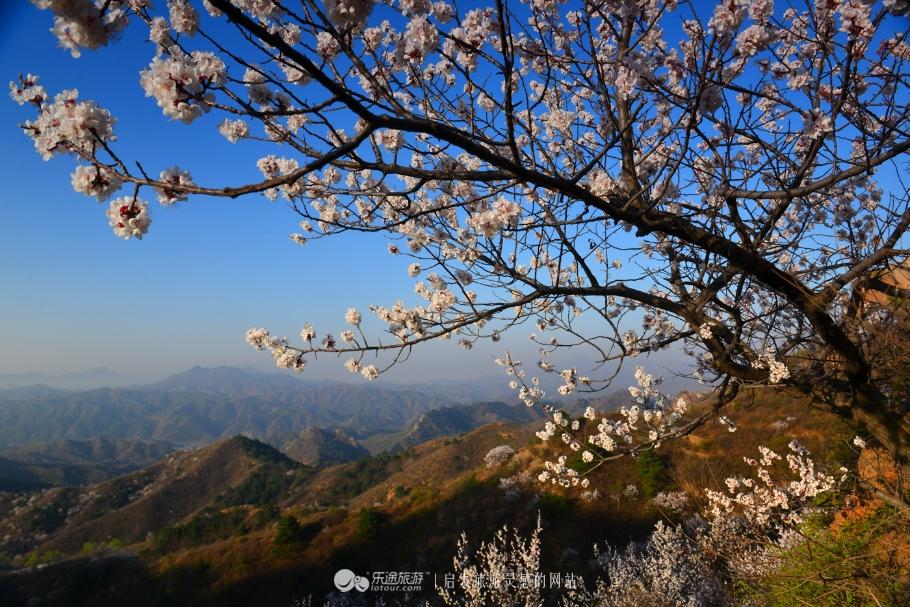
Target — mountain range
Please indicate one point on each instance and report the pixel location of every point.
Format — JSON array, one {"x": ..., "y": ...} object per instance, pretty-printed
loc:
[
  {"x": 237, "y": 522},
  {"x": 202, "y": 405},
  {"x": 55, "y": 437}
]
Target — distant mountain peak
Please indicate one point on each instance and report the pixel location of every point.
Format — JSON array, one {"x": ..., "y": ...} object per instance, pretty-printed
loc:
[{"x": 225, "y": 380}]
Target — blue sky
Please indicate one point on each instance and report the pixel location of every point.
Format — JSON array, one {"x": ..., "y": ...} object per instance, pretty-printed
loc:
[{"x": 76, "y": 297}]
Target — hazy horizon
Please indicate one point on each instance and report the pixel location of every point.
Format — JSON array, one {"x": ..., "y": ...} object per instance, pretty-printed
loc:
[{"x": 107, "y": 376}]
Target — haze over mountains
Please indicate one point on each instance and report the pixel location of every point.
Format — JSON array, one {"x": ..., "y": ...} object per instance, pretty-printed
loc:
[
  {"x": 459, "y": 390},
  {"x": 204, "y": 404},
  {"x": 51, "y": 436},
  {"x": 77, "y": 380},
  {"x": 55, "y": 437}
]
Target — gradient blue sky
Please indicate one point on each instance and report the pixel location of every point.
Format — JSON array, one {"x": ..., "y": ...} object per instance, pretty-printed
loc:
[{"x": 75, "y": 297}]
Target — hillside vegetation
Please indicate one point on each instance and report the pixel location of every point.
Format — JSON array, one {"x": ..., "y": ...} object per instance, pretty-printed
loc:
[{"x": 239, "y": 522}]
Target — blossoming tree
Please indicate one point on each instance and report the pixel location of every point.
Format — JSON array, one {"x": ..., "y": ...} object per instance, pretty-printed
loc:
[{"x": 721, "y": 179}]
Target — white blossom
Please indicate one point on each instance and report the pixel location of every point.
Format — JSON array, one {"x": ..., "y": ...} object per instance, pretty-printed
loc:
[
  {"x": 497, "y": 456},
  {"x": 352, "y": 317},
  {"x": 184, "y": 18},
  {"x": 96, "y": 181},
  {"x": 27, "y": 90},
  {"x": 129, "y": 217},
  {"x": 233, "y": 130},
  {"x": 84, "y": 24},
  {"x": 348, "y": 13},
  {"x": 182, "y": 86},
  {"x": 67, "y": 125},
  {"x": 173, "y": 176}
]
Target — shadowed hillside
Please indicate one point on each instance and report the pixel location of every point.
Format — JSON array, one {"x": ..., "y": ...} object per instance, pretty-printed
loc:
[
  {"x": 321, "y": 446},
  {"x": 130, "y": 507},
  {"x": 80, "y": 462},
  {"x": 447, "y": 421}
]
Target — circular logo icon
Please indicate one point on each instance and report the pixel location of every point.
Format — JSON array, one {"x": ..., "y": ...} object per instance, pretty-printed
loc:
[{"x": 345, "y": 580}]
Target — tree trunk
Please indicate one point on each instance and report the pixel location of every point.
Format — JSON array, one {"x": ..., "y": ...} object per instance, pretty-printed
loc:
[{"x": 870, "y": 411}]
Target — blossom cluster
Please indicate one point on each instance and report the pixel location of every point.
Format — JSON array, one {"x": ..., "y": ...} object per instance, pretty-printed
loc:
[
  {"x": 777, "y": 371},
  {"x": 348, "y": 13},
  {"x": 174, "y": 179},
  {"x": 513, "y": 486},
  {"x": 273, "y": 167},
  {"x": 285, "y": 357},
  {"x": 557, "y": 473},
  {"x": 234, "y": 130},
  {"x": 182, "y": 84},
  {"x": 66, "y": 124},
  {"x": 667, "y": 569},
  {"x": 487, "y": 575},
  {"x": 95, "y": 180},
  {"x": 86, "y": 24},
  {"x": 763, "y": 500},
  {"x": 497, "y": 456},
  {"x": 183, "y": 17},
  {"x": 502, "y": 214},
  {"x": 676, "y": 502},
  {"x": 129, "y": 217},
  {"x": 652, "y": 416},
  {"x": 649, "y": 421}
]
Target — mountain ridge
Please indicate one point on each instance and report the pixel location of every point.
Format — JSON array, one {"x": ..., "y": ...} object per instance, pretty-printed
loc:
[
  {"x": 264, "y": 408},
  {"x": 324, "y": 446}
]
